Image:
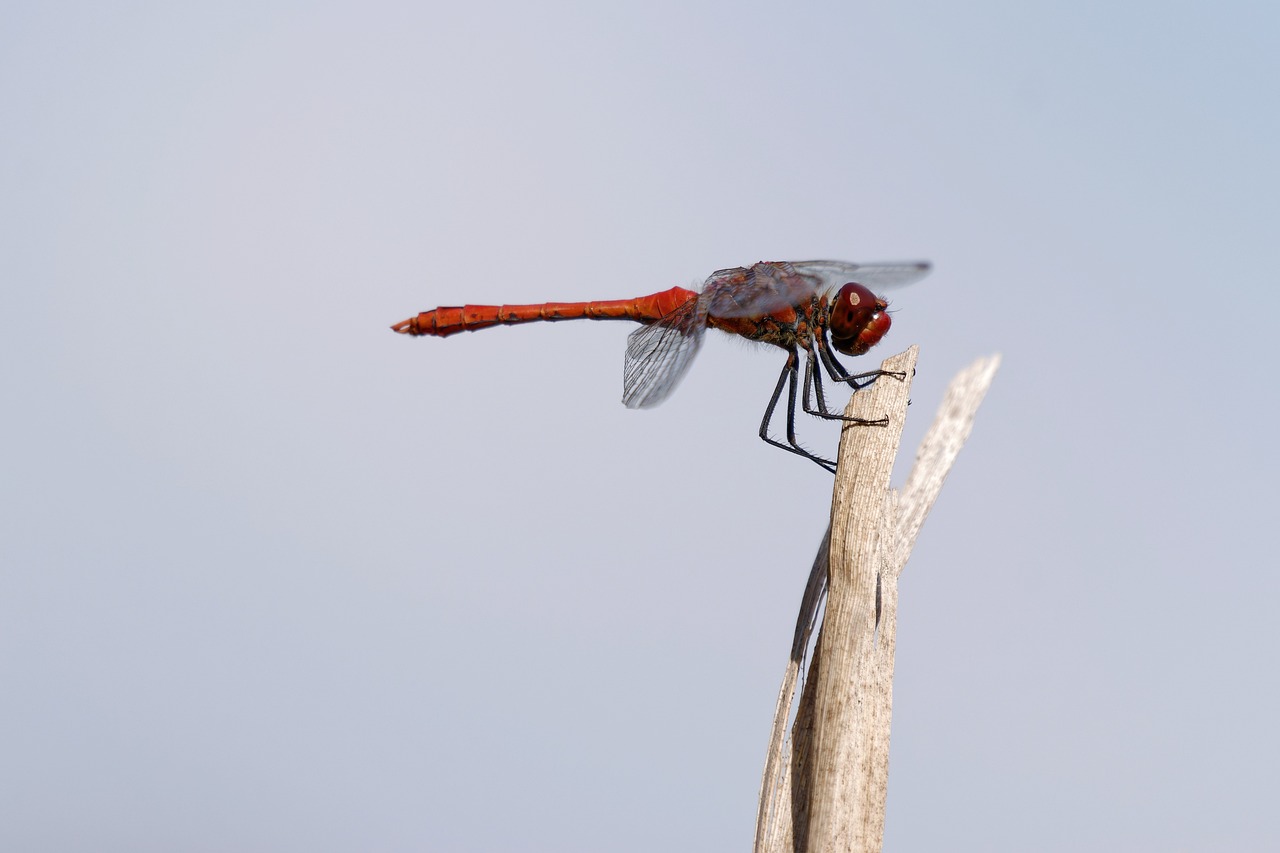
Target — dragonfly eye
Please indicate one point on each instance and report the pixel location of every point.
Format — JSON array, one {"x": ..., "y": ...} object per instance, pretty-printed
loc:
[{"x": 858, "y": 320}]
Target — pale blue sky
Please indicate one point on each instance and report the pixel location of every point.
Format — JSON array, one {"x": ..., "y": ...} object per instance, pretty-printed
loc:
[{"x": 272, "y": 577}]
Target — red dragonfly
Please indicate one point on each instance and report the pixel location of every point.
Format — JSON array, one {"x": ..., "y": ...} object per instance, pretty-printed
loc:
[{"x": 794, "y": 306}]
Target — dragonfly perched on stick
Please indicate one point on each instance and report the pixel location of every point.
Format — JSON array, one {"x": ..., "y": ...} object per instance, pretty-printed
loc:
[{"x": 792, "y": 305}]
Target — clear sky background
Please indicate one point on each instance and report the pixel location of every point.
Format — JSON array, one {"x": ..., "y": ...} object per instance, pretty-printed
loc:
[{"x": 273, "y": 578}]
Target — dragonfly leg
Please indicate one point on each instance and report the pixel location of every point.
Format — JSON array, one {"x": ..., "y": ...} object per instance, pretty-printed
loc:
[
  {"x": 809, "y": 382},
  {"x": 788, "y": 378},
  {"x": 838, "y": 372},
  {"x": 812, "y": 375}
]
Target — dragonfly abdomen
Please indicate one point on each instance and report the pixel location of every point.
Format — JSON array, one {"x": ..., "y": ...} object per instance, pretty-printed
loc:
[{"x": 449, "y": 320}]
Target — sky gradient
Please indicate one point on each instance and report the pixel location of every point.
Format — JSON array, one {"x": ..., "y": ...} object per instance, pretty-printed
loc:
[{"x": 272, "y": 577}]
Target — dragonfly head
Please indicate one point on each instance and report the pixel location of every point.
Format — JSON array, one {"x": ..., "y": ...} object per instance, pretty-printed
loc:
[{"x": 859, "y": 319}]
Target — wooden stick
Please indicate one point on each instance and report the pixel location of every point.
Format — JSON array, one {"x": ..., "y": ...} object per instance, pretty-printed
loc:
[{"x": 826, "y": 789}]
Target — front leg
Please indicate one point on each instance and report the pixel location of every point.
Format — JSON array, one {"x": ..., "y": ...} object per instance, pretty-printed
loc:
[
  {"x": 813, "y": 378},
  {"x": 838, "y": 372}
]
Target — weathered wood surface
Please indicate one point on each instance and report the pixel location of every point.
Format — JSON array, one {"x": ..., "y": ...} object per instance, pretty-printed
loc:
[{"x": 824, "y": 789}]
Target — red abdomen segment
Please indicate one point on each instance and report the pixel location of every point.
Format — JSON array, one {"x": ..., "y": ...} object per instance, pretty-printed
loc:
[{"x": 446, "y": 321}]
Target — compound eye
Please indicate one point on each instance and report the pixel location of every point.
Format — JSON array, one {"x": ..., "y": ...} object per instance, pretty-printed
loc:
[
  {"x": 858, "y": 319},
  {"x": 854, "y": 308}
]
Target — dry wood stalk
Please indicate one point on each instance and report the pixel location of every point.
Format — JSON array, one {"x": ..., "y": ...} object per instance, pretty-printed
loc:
[{"x": 825, "y": 789}]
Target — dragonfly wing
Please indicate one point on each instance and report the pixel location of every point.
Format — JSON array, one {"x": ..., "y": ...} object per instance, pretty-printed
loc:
[
  {"x": 883, "y": 276},
  {"x": 659, "y": 355},
  {"x": 757, "y": 290}
]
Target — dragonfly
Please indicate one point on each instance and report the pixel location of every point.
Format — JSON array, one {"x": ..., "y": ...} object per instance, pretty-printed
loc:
[{"x": 809, "y": 307}]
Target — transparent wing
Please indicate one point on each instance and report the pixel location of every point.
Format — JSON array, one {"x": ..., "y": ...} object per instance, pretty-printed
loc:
[
  {"x": 757, "y": 290},
  {"x": 659, "y": 355},
  {"x": 883, "y": 276}
]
